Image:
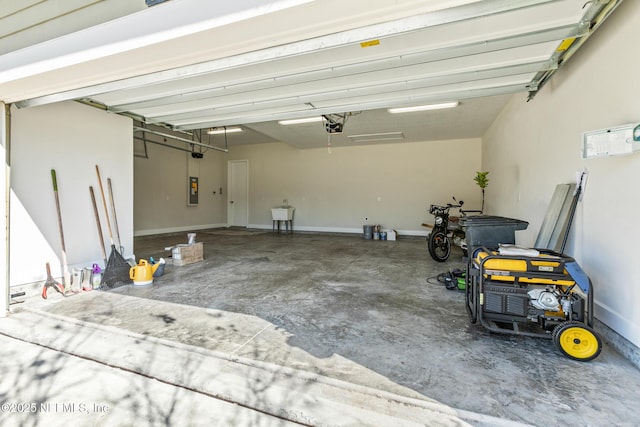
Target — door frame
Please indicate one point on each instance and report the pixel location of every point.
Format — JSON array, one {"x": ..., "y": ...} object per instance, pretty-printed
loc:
[{"x": 231, "y": 185}]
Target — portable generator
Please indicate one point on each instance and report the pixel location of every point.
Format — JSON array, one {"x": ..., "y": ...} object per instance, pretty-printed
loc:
[{"x": 541, "y": 293}]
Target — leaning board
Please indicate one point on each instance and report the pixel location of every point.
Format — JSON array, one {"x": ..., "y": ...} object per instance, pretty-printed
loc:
[{"x": 557, "y": 218}]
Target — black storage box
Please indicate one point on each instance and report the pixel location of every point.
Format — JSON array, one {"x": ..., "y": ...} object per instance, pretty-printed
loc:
[{"x": 490, "y": 231}]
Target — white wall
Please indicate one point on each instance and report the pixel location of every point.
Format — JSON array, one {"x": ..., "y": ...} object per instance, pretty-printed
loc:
[
  {"x": 4, "y": 197},
  {"x": 534, "y": 146},
  {"x": 390, "y": 184},
  {"x": 161, "y": 189},
  {"x": 72, "y": 139}
]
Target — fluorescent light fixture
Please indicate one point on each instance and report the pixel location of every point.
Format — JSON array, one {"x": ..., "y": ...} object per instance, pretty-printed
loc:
[
  {"x": 222, "y": 131},
  {"x": 298, "y": 121},
  {"x": 424, "y": 107},
  {"x": 370, "y": 137}
]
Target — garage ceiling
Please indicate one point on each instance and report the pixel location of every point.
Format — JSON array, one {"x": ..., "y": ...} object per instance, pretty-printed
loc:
[{"x": 253, "y": 63}]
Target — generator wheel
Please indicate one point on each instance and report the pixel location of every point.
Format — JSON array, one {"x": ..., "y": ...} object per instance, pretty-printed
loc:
[
  {"x": 554, "y": 334},
  {"x": 577, "y": 341}
]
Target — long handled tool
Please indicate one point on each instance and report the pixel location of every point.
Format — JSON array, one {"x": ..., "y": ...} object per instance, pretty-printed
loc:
[
  {"x": 63, "y": 258},
  {"x": 116, "y": 272},
  {"x": 577, "y": 196},
  {"x": 115, "y": 217},
  {"x": 106, "y": 210},
  {"x": 95, "y": 211}
]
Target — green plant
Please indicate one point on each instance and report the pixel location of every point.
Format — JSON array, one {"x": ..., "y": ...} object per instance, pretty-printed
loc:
[{"x": 482, "y": 181}]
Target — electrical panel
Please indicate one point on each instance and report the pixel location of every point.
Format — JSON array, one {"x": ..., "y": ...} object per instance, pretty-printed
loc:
[
  {"x": 613, "y": 141},
  {"x": 193, "y": 190}
]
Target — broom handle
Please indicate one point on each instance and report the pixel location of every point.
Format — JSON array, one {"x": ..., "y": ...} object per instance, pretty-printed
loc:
[
  {"x": 106, "y": 210},
  {"x": 115, "y": 217},
  {"x": 65, "y": 268},
  {"x": 95, "y": 211}
]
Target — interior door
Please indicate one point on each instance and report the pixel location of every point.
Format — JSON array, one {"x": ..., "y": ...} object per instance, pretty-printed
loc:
[{"x": 238, "y": 206}]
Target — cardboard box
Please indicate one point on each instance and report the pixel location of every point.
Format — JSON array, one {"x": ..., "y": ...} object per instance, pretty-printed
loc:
[
  {"x": 391, "y": 234},
  {"x": 187, "y": 254}
]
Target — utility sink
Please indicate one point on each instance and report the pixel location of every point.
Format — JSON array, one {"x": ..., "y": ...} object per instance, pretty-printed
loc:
[{"x": 282, "y": 213}]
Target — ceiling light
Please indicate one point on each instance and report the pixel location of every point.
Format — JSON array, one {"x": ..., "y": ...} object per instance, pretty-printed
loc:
[
  {"x": 298, "y": 121},
  {"x": 370, "y": 137},
  {"x": 424, "y": 107},
  {"x": 222, "y": 131}
]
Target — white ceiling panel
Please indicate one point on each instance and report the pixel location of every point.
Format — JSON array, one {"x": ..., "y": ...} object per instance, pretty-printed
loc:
[
  {"x": 26, "y": 23},
  {"x": 310, "y": 88},
  {"x": 461, "y": 122},
  {"x": 380, "y": 54}
]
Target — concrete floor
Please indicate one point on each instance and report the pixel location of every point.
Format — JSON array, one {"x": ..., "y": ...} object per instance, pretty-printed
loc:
[{"x": 364, "y": 312}]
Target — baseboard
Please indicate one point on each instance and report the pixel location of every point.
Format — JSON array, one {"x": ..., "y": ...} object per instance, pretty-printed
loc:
[
  {"x": 418, "y": 233},
  {"x": 338, "y": 230},
  {"x": 619, "y": 343},
  {"x": 605, "y": 320},
  {"x": 154, "y": 231},
  {"x": 311, "y": 229}
]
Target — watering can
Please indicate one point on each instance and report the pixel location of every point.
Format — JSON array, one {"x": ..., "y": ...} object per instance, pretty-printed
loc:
[{"x": 142, "y": 274}]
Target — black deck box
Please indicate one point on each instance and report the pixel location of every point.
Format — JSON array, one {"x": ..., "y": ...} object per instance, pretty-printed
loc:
[{"x": 489, "y": 231}]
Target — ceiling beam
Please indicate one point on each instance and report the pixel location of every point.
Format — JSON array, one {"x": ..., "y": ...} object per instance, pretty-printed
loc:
[
  {"x": 413, "y": 23},
  {"x": 393, "y": 99},
  {"x": 148, "y": 27},
  {"x": 336, "y": 93},
  {"x": 358, "y": 66}
]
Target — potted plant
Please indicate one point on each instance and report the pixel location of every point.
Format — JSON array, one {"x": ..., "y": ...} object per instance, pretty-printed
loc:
[{"x": 482, "y": 181}]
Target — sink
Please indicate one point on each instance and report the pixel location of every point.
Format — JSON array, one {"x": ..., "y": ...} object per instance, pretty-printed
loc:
[{"x": 282, "y": 213}]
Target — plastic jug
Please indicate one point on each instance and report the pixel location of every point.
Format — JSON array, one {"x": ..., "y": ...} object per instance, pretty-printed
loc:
[{"x": 142, "y": 274}]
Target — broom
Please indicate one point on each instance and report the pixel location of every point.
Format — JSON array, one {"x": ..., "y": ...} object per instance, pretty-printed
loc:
[
  {"x": 116, "y": 272},
  {"x": 115, "y": 217}
]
